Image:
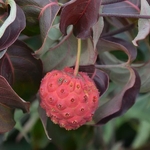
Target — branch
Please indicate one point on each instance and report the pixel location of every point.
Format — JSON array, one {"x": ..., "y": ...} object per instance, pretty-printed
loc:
[
  {"x": 123, "y": 29},
  {"x": 125, "y": 15},
  {"x": 106, "y": 2}
]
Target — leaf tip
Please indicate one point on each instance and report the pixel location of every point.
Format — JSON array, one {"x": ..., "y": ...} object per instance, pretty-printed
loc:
[{"x": 135, "y": 43}]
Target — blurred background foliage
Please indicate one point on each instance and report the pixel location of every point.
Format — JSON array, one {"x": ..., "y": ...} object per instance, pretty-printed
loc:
[{"x": 130, "y": 131}]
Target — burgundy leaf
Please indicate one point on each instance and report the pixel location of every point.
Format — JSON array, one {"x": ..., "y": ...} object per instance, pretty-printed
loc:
[
  {"x": 21, "y": 69},
  {"x": 9, "y": 98},
  {"x": 112, "y": 43},
  {"x": 89, "y": 69},
  {"x": 6, "y": 69},
  {"x": 9, "y": 101},
  {"x": 47, "y": 16},
  {"x": 82, "y": 14},
  {"x": 13, "y": 30},
  {"x": 100, "y": 78},
  {"x": 121, "y": 102}
]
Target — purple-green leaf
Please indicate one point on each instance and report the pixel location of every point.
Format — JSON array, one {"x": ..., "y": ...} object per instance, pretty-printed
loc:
[
  {"x": 121, "y": 102},
  {"x": 112, "y": 43},
  {"x": 47, "y": 16},
  {"x": 39, "y": 14},
  {"x": 144, "y": 72},
  {"x": 97, "y": 30},
  {"x": 64, "y": 53}
]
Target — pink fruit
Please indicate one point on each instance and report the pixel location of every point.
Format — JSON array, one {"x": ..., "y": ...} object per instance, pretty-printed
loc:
[{"x": 68, "y": 100}]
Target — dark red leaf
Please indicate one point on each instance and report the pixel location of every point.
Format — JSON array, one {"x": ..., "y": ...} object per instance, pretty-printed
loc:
[
  {"x": 6, "y": 118},
  {"x": 9, "y": 101},
  {"x": 13, "y": 30},
  {"x": 100, "y": 78},
  {"x": 21, "y": 69},
  {"x": 89, "y": 69},
  {"x": 82, "y": 14},
  {"x": 121, "y": 102},
  {"x": 9, "y": 98}
]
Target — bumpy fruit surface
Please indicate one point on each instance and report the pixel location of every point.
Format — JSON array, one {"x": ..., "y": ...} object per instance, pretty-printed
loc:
[{"x": 68, "y": 100}]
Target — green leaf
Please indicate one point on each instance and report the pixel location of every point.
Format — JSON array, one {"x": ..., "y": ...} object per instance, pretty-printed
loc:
[
  {"x": 112, "y": 43},
  {"x": 63, "y": 139},
  {"x": 116, "y": 74},
  {"x": 141, "y": 109},
  {"x": 143, "y": 70},
  {"x": 142, "y": 135},
  {"x": 97, "y": 30},
  {"x": 50, "y": 41},
  {"x": 64, "y": 53},
  {"x": 29, "y": 124},
  {"x": 47, "y": 17}
]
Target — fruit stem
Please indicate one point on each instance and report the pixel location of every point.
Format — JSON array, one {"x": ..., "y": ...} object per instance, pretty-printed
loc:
[{"x": 78, "y": 58}]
